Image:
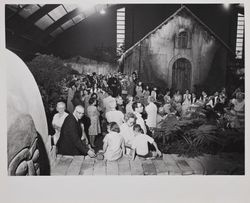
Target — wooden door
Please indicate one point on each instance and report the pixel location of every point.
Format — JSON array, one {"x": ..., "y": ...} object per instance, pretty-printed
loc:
[{"x": 181, "y": 75}]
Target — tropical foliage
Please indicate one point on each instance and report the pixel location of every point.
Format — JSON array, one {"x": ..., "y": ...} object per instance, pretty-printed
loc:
[
  {"x": 194, "y": 136},
  {"x": 48, "y": 72}
]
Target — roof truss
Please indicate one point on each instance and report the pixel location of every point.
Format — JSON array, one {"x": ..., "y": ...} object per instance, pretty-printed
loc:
[{"x": 58, "y": 23}]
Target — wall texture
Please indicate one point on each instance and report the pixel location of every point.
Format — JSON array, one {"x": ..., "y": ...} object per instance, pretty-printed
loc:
[
  {"x": 155, "y": 56},
  {"x": 98, "y": 32},
  {"x": 143, "y": 18}
]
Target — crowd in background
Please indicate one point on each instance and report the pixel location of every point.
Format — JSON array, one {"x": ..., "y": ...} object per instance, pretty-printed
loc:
[{"x": 112, "y": 98}]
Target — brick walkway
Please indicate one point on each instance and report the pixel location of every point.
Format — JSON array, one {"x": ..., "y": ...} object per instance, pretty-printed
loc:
[{"x": 169, "y": 164}]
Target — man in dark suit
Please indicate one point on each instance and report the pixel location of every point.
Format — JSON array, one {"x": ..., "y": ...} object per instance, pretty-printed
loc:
[
  {"x": 70, "y": 142},
  {"x": 113, "y": 85}
]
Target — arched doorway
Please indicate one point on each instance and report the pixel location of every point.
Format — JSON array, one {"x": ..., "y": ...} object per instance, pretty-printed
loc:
[{"x": 181, "y": 74}]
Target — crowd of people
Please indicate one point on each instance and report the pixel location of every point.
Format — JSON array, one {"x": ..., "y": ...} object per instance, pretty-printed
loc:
[{"x": 125, "y": 112}]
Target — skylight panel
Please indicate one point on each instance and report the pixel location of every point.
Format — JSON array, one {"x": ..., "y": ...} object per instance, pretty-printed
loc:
[
  {"x": 68, "y": 24},
  {"x": 78, "y": 18},
  {"x": 29, "y": 10},
  {"x": 56, "y": 32},
  {"x": 57, "y": 13},
  {"x": 44, "y": 22},
  {"x": 70, "y": 7}
]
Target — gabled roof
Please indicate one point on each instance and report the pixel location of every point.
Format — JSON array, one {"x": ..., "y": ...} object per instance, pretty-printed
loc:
[{"x": 183, "y": 8}]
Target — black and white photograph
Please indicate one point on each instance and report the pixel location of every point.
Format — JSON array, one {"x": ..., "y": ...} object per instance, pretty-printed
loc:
[
  {"x": 128, "y": 90},
  {"x": 125, "y": 89}
]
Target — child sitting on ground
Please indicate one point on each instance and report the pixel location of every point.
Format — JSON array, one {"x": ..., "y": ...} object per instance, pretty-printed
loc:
[
  {"x": 113, "y": 143},
  {"x": 140, "y": 144}
]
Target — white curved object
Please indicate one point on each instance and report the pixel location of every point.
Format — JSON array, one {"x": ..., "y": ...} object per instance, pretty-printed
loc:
[{"x": 23, "y": 96}]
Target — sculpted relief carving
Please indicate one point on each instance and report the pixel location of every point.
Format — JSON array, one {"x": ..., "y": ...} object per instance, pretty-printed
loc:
[{"x": 23, "y": 153}]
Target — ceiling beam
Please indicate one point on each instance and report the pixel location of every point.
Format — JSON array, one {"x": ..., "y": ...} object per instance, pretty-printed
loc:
[
  {"x": 15, "y": 13},
  {"x": 58, "y": 23},
  {"x": 64, "y": 19},
  {"x": 29, "y": 22},
  {"x": 41, "y": 12}
]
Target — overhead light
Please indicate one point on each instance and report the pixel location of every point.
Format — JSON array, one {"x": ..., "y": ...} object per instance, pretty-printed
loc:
[
  {"x": 86, "y": 6},
  {"x": 226, "y": 6},
  {"x": 102, "y": 11}
]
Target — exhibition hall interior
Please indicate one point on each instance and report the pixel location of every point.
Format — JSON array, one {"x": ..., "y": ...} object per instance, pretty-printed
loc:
[{"x": 125, "y": 89}]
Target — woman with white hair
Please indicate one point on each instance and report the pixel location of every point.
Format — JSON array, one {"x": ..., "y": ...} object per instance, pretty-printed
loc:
[
  {"x": 114, "y": 115},
  {"x": 58, "y": 120}
]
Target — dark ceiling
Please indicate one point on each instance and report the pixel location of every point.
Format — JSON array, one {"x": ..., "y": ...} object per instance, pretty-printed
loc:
[
  {"x": 31, "y": 28},
  {"x": 42, "y": 23}
]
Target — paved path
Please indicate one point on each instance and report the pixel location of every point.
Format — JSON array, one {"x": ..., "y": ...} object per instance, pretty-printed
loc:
[{"x": 169, "y": 164}]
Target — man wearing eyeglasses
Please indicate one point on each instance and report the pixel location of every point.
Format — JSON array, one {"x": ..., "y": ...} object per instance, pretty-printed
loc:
[{"x": 70, "y": 142}]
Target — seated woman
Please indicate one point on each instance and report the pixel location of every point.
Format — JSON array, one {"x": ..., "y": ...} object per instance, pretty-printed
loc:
[
  {"x": 58, "y": 120},
  {"x": 114, "y": 115},
  {"x": 140, "y": 144},
  {"x": 113, "y": 143}
]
